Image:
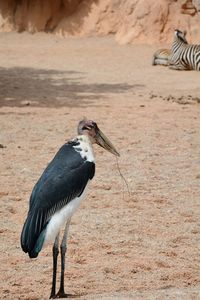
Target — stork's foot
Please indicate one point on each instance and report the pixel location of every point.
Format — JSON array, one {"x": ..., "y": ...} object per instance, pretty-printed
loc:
[
  {"x": 53, "y": 295},
  {"x": 62, "y": 295}
]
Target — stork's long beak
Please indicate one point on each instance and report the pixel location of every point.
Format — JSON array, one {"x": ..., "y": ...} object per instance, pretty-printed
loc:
[{"x": 104, "y": 142}]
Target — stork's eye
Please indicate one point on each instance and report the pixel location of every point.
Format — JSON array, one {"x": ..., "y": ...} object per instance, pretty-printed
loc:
[{"x": 87, "y": 127}]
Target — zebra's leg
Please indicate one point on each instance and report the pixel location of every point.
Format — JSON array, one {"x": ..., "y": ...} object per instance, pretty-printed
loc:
[
  {"x": 55, "y": 258},
  {"x": 161, "y": 61},
  {"x": 154, "y": 60},
  {"x": 178, "y": 67},
  {"x": 63, "y": 249}
]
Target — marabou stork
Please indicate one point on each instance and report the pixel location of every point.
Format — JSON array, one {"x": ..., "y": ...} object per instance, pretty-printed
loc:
[{"x": 58, "y": 193}]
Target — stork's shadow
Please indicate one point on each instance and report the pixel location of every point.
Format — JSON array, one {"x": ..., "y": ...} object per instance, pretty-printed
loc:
[
  {"x": 69, "y": 296},
  {"x": 52, "y": 88}
]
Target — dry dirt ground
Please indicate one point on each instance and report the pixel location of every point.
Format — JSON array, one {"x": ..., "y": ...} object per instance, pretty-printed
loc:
[{"x": 139, "y": 246}]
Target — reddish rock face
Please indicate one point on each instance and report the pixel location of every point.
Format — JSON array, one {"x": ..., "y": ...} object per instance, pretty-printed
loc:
[{"x": 132, "y": 21}]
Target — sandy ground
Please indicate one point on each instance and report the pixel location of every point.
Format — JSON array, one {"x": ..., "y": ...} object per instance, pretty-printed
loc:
[{"x": 139, "y": 246}]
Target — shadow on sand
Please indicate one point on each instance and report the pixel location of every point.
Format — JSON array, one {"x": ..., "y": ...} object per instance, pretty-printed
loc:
[{"x": 51, "y": 88}]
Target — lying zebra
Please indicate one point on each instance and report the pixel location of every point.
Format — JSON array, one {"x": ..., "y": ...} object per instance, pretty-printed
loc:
[
  {"x": 163, "y": 56},
  {"x": 184, "y": 56}
]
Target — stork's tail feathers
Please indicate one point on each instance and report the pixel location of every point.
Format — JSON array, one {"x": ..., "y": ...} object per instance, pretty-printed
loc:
[{"x": 31, "y": 242}]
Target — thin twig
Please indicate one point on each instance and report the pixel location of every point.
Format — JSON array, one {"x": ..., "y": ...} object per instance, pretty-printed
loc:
[{"x": 123, "y": 178}]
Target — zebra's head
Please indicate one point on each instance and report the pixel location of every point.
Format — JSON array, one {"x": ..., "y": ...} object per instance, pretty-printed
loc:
[{"x": 180, "y": 35}]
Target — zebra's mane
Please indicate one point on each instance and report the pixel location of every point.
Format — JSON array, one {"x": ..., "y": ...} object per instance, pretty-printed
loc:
[{"x": 179, "y": 35}]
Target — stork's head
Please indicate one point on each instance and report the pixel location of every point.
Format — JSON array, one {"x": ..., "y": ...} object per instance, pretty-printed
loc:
[{"x": 96, "y": 136}]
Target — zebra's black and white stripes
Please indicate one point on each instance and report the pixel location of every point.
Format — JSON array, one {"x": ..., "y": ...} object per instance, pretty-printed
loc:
[{"x": 184, "y": 56}]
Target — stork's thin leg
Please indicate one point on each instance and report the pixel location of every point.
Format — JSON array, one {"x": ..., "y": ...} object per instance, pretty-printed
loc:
[
  {"x": 63, "y": 248},
  {"x": 55, "y": 258}
]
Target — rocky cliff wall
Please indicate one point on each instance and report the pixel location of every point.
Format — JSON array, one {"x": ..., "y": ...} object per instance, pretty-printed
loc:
[{"x": 132, "y": 21}]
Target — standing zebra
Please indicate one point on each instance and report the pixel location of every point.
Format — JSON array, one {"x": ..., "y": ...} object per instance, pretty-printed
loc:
[{"x": 184, "y": 56}]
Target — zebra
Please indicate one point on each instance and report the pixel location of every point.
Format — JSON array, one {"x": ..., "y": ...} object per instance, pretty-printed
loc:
[
  {"x": 184, "y": 56},
  {"x": 161, "y": 57}
]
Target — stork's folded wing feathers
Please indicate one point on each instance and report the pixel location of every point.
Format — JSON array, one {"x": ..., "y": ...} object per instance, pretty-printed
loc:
[{"x": 64, "y": 179}]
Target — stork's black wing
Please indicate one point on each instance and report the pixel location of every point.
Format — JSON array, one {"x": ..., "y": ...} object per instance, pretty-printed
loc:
[{"x": 64, "y": 179}]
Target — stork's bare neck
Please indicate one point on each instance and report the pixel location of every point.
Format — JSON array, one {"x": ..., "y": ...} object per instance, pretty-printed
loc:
[{"x": 84, "y": 147}]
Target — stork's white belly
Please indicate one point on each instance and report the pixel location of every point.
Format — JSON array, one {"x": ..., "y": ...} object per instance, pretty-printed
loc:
[{"x": 59, "y": 219}]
